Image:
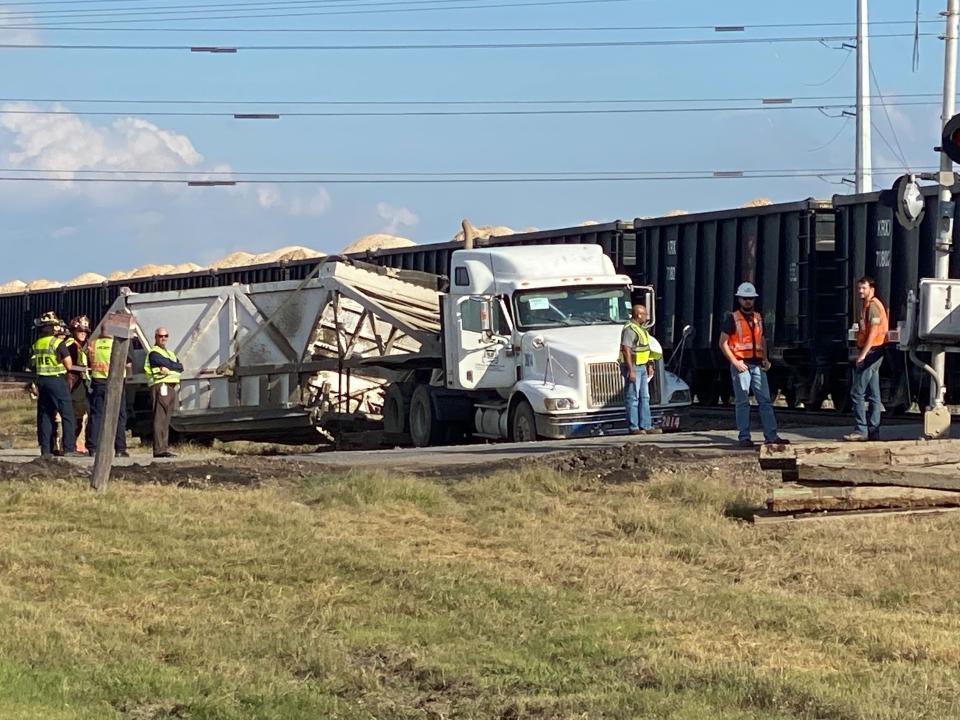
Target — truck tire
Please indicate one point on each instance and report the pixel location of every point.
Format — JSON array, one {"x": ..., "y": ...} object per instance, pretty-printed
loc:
[
  {"x": 396, "y": 408},
  {"x": 424, "y": 428},
  {"x": 523, "y": 423}
]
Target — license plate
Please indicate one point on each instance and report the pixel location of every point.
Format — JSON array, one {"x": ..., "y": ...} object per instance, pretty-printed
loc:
[{"x": 670, "y": 422}]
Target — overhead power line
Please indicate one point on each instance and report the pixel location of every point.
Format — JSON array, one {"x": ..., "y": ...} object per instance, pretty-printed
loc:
[
  {"x": 378, "y": 10},
  {"x": 446, "y": 46},
  {"x": 480, "y": 101},
  {"x": 266, "y": 175},
  {"x": 433, "y": 180},
  {"x": 401, "y": 30},
  {"x": 445, "y": 113}
]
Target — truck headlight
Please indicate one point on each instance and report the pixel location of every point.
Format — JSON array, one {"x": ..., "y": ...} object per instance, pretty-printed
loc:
[
  {"x": 680, "y": 396},
  {"x": 560, "y": 404}
]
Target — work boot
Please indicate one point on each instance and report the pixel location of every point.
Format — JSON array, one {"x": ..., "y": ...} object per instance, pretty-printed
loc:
[
  {"x": 746, "y": 444},
  {"x": 854, "y": 437},
  {"x": 636, "y": 431},
  {"x": 166, "y": 454},
  {"x": 653, "y": 431},
  {"x": 121, "y": 453},
  {"x": 777, "y": 441}
]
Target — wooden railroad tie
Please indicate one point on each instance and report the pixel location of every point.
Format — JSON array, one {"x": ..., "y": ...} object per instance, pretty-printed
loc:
[{"x": 862, "y": 479}]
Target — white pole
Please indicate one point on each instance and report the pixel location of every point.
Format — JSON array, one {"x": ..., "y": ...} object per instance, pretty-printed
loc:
[
  {"x": 864, "y": 169},
  {"x": 945, "y": 234}
]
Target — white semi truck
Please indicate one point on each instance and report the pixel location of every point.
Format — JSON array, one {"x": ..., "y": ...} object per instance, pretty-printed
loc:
[{"x": 521, "y": 344}]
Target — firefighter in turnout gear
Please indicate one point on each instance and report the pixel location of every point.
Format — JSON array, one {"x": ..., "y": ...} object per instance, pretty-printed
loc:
[
  {"x": 163, "y": 378},
  {"x": 638, "y": 365},
  {"x": 743, "y": 344},
  {"x": 99, "y": 354},
  {"x": 78, "y": 378},
  {"x": 51, "y": 362}
]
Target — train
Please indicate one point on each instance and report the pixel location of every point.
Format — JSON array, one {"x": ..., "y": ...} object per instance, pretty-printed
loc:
[{"x": 804, "y": 257}]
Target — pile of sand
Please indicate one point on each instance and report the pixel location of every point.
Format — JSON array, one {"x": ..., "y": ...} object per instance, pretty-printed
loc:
[
  {"x": 119, "y": 275},
  {"x": 675, "y": 213},
  {"x": 585, "y": 223},
  {"x": 286, "y": 254},
  {"x": 149, "y": 270},
  {"x": 14, "y": 286},
  {"x": 187, "y": 267},
  {"x": 43, "y": 284},
  {"x": 234, "y": 259},
  {"x": 377, "y": 241},
  {"x": 88, "y": 278},
  {"x": 757, "y": 202},
  {"x": 487, "y": 231}
]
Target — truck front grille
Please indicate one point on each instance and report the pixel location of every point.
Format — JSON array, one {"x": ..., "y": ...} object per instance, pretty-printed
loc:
[{"x": 605, "y": 385}]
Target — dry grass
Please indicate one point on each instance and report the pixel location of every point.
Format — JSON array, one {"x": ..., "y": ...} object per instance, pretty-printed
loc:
[{"x": 525, "y": 594}]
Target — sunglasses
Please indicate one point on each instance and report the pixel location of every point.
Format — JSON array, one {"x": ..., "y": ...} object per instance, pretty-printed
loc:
[{"x": 161, "y": 337}]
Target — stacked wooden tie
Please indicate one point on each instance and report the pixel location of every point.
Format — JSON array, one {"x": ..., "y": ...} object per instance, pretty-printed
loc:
[{"x": 828, "y": 480}]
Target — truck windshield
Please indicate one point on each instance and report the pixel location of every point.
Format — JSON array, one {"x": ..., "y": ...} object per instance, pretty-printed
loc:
[{"x": 562, "y": 307}]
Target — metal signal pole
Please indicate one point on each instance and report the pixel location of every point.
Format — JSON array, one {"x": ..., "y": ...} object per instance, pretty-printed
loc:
[{"x": 864, "y": 167}]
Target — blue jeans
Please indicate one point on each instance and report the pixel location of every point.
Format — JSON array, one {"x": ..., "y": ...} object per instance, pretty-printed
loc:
[
  {"x": 636, "y": 396},
  {"x": 53, "y": 398},
  {"x": 866, "y": 389},
  {"x": 761, "y": 391},
  {"x": 98, "y": 401}
]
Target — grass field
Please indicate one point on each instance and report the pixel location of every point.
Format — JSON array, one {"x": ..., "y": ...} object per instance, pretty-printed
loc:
[{"x": 526, "y": 594}]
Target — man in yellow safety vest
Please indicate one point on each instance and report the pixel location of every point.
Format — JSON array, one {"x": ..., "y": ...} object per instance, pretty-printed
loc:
[
  {"x": 163, "y": 378},
  {"x": 99, "y": 374},
  {"x": 638, "y": 365},
  {"x": 50, "y": 360}
]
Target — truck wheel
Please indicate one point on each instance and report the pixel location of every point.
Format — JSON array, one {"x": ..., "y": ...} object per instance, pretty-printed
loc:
[
  {"x": 396, "y": 409},
  {"x": 523, "y": 423},
  {"x": 424, "y": 428}
]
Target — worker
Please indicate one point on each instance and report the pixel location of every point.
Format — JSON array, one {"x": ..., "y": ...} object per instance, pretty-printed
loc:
[
  {"x": 163, "y": 376},
  {"x": 638, "y": 365},
  {"x": 51, "y": 362},
  {"x": 99, "y": 373},
  {"x": 743, "y": 344},
  {"x": 871, "y": 337},
  {"x": 78, "y": 379}
]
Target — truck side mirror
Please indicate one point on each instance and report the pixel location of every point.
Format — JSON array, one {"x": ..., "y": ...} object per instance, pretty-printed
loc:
[{"x": 486, "y": 318}]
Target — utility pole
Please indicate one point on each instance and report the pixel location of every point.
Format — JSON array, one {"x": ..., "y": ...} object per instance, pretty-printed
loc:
[
  {"x": 945, "y": 229},
  {"x": 864, "y": 167}
]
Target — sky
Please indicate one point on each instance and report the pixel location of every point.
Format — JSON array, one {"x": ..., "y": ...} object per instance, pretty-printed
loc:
[{"x": 58, "y": 230}]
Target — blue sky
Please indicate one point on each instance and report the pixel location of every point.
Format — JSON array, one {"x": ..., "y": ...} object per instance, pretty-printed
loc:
[{"x": 59, "y": 231}]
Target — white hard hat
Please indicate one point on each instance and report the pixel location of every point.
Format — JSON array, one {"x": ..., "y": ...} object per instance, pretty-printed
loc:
[{"x": 747, "y": 290}]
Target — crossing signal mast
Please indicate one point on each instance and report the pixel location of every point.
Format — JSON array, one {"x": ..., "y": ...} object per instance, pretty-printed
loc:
[{"x": 933, "y": 313}]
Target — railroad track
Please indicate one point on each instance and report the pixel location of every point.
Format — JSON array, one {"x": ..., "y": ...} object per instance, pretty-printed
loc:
[{"x": 704, "y": 417}]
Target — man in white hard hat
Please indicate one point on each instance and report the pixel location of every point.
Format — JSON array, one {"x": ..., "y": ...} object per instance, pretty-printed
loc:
[{"x": 741, "y": 341}]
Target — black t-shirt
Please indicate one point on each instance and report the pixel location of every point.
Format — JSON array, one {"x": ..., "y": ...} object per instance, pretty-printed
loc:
[{"x": 729, "y": 327}]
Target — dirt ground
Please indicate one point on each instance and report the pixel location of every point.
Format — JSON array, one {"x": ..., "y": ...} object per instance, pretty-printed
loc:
[
  {"x": 631, "y": 462},
  {"x": 241, "y": 472}
]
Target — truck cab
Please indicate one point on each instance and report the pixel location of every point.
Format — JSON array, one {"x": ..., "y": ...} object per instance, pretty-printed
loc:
[{"x": 532, "y": 334}]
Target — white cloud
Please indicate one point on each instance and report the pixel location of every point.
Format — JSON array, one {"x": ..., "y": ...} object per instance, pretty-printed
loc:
[
  {"x": 396, "y": 217},
  {"x": 64, "y": 232},
  {"x": 23, "y": 34},
  {"x": 64, "y": 144}
]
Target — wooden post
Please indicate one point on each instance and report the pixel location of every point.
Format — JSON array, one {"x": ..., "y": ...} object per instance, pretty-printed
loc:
[{"x": 118, "y": 326}]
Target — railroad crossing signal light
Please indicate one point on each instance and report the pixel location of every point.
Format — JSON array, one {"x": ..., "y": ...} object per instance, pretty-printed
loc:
[
  {"x": 909, "y": 201},
  {"x": 950, "y": 139}
]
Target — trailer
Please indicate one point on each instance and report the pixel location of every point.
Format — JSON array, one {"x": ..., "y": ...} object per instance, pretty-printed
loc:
[{"x": 520, "y": 343}]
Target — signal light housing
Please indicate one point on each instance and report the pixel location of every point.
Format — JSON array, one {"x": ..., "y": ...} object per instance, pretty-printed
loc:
[{"x": 950, "y": 139}]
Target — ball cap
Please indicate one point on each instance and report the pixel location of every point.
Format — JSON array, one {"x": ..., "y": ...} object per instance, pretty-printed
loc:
[{"x": 747, "y": 290}]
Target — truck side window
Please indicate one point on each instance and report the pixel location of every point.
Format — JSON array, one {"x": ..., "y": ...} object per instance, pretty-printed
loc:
[
  {"x": 470, "y": 315},
  {"x": 461, "y": 277}
]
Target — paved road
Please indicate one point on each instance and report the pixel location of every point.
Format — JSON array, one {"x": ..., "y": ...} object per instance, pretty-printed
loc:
[{"x": 501, "y": 452}]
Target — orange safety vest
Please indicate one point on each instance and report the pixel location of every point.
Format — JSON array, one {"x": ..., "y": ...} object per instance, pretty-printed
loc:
[
  {"x": 747, "y": 342},
  {"x": 863, "y": 331}
]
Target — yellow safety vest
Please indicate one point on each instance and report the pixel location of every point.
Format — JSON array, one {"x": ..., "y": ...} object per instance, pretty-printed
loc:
[
  {"x": 100, "y": 367},
  {"x": 44, "y": 358},
  {"x": 171, "y": 377},
  {"x": 81, "y": 355},
  {"x": 641, "y": 353}
]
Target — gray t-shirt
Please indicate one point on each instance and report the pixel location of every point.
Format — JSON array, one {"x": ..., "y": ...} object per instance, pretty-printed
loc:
[{"x": 629, "y": 337}]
